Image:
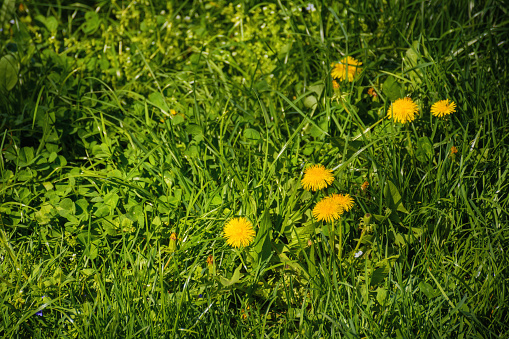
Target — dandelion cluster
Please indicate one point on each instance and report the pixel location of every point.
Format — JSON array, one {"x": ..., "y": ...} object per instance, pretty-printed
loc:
[
  {"x": 239, "y": 232},
  {"x": 346, "y": 69},
  {"x": 332, "y": 207},
  {"x": 316, "y": 177}
]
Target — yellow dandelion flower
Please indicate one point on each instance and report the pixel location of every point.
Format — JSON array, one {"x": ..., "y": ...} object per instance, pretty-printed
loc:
[
  {"x": 346, "y": 69},
  {"x": 443, "y": 107},
  {"x": 316, "y": 177},
  {"x": 345, "y": 201},
  {"x": 239, "y": 232},
  {"x": 403, "y": 110},
  {"x": 327, "y": 209},
  {"x": 335, "y": 84},
  {"x": 173, "y": 112}
]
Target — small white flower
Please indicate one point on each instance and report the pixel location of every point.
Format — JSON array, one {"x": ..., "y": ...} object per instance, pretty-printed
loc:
[
  {"x": 358, "y": 254},
  {"x": 310, "y": 8}
]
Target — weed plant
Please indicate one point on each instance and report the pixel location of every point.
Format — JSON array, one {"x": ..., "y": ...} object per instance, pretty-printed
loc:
[{"x": 172, "y": 169}]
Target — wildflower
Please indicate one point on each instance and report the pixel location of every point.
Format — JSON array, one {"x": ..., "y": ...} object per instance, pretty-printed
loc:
[
  {"x": 245, "y": 312},
  {"x": 443, "y": 107},
  {"x": 173, "y": 112},
  {"x": 39, "y": 313},
  {"x": 327, "y": 209},
  {"x": 344, "y": 201},
  {"x": 310, "y": 8},
  {"x": 346, "y": 69},
  {"x": 454, "y": 150},
  {"x": 364, "y": 185},
  {"x": 239, "y": 232},
  {"x": 372, "y": 92},
  {"x": 335, "y": 84},
  {"x": 403, "y": 110},
  {"x": 316, "y": 177},
  {"x": 358, "y": 254}
]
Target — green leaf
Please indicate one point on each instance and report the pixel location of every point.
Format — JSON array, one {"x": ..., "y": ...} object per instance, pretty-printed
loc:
[
  {"x": 50, "y": 22},
  {"x": 392, "y": 89},
  {"x": 91, "y": 22},
  {"x": 393, "y": 197},
  {"x": 158, "y": 100},
  {"x": 8, "y": 72},
  {"x": 428, "y": 290},
  {"x": 25, "y": 157},
  {"x": 252, "y": 134},
  {"x": 192, "y": 152},
  {"x": 381, "y": 295},
  {"x": 101, "y": 210},
  {"x": 410, "y": 61},
  {"x": 323, "y": 126},
  {"x": 424, "y": 150},
  {"x": 234, "y": 279},
  {"x": 25, "y": 175},
  {"x": 261, "y": 248},
  {"x": 45, "y": 213},
  {"x": 310, "y": 101}
]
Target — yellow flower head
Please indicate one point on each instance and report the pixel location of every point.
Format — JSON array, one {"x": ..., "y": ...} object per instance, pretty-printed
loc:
[
  {"x": 454, "y": 150},
  {"x": 346, "y": 69},
  {"x": 316, "y": 177},
  {"x": 443, "y": 107},
  {"x": 403, "y": 110},
  {"x": 239, "y": 232},
  {"x": 345, "y": 201},
  {"x": 335, "y": 84},
  {"x": 327, "y": 209}
]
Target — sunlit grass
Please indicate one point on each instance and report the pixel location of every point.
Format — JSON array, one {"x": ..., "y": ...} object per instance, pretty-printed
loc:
[{"x": 136, "y": 131}]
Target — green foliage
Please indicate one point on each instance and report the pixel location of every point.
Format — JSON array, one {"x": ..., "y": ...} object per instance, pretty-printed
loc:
[{"x": 131, "y": 131}]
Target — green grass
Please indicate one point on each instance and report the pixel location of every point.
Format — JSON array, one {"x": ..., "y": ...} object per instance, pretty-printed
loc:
[{"x": 97, "y": 172}]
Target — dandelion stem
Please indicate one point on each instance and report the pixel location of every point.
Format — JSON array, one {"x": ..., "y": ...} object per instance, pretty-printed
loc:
[
  {"x": 332, "y": 235},
  {"x": 340, "y": 239},
  {"x": 359, "y": 241}
]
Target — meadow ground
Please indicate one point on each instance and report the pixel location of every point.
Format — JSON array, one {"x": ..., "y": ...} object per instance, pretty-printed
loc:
[{"x": 214, "y": 169}]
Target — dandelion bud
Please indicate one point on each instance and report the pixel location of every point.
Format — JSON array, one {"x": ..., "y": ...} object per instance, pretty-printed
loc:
[
  {"x": 173, "y": 243},
  {"x": 366, "y": 219},
  {"x": 210, "y": 265}
]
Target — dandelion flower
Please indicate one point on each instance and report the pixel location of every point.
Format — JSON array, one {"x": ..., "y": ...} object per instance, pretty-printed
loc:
[
  {"x": 346, "y": 69},
  {"x": 327, "y": 209},
  {"x": 403, "y": 110},
  {"x": 316, "y": 177},
  {"x": 344, "y": 201},
  {"x": 239, "y": 232},
  {"x": 443, "y": 107},
  {"x": 335, "y": 84}
]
